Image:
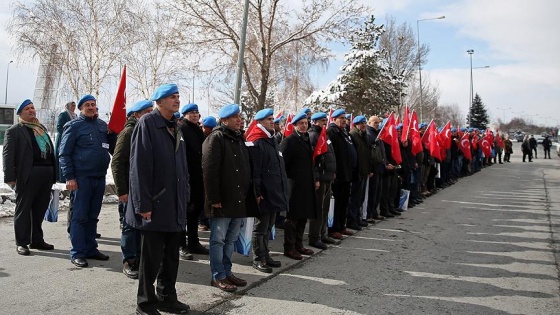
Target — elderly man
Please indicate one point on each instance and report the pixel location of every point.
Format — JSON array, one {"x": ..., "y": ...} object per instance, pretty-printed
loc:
[
  {"x": 120, "y": 165},
  {"x": 84, "y": 159},
  {"x": 360, "y": 174},
  {"x": 378, "y": 166},
  {"x": 157, "y": 201},
  {"x": 29, "y": 168}
]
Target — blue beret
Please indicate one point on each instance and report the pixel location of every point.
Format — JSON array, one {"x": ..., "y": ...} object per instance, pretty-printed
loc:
[
  {"x": 277, "y": 120},
  {"x": 318, "y": 116},
  {"x": 22, "y": 106},
  {"x": 177, "y": 115},
  {"x": 209, "y": 122},
  {"x": 471, "y": 130},
  {"x": 85, "y": 98},
  {"x": 421, "y": 125},
  {"x": 189, "y": 108},
  {"x": 299, "y": 117},
  {"x": 228, "y": 111},
  {"x": 338, "y": 112},
  {"x": 263, "y": 113},
  {"x": 305, "y": 110},
  {"x": 453, "y": 129},
  {"x": 359, "y": 119},
  {"x": 138, "y": 107},
  {"x": 439, "y": 129},
  {"x": 348, "y": 116},
  {"x": 383, "y": 122},
  {"x": 463, "y": 129},
  {"x": 164, "y": 91},
  {"x": 399, "y": 126}
]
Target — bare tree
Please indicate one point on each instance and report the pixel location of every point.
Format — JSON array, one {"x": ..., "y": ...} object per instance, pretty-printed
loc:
[
  {"x": 451, "y": 112},
  {"x": 272, "y": 27}
]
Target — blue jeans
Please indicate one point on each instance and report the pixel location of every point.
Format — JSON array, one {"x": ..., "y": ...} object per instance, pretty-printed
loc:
[
  {"x": 130, "y": 237},
  {"x": 86, "y": 203},
  {"x": 357, "y": 197},
  {"x": 223, "y": 234}
]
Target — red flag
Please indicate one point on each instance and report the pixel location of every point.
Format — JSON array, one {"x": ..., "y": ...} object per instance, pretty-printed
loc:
[
  {"x": 118, "y": 112},
  {"x": 321, "y": 146},
  {"x": 415, "y": 135},
  {"x": 426, "y": 135},
  {"x": 445, "y": 136},
  {"x": 289, "y": 129},
  {"x": 386, "y": 133},
  {"x": 329, "y": 119},
  {"x": 351, "y": 121},
  {"x": 406, "y": 124},
  {"x": 465, "y": 146},
  {"x": 433, "y": 143},
  {"x": 485, "y": 145},
  {"x": 500, "y": 142},
  {"x": 474, "y": 141},
  {"x": 280, "y": 114},
  {"x": 250, "y": 128},
  {"x": 395, "y": 146}
]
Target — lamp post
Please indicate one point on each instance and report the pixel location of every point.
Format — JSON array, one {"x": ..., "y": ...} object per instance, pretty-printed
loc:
[
  {"x": 7, "y": 77},
  {"x": 470, "y": 52},
  {"x": 418, "y": 56}
]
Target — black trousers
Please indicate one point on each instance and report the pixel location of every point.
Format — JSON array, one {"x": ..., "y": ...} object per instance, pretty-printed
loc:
[
  {"x": 547, "y": 152},
  {"x": 190, "y": 236},
  {"x": 159, "y": 260},
  {"x": 318, "y": 228},
  {"x": 32, "y": 201},
  {"x": 374, "y": 195},
  {"x": 388, "y": 193},
  {"x": 341, "y": 193},
  {"x": 261, "y": 234},
  {"x": 293, "y": 233}
]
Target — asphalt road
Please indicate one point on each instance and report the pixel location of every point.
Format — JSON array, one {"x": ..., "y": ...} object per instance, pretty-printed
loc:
[{"x": 486, "y": 245}]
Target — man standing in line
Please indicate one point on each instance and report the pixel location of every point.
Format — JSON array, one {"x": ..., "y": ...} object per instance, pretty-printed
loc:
[
  {"x": 378, "y": 161},
  {"x": 271, "y": 186},
  {"x": 360, "y": 174},
  {"x": 158, "y": 197},
  {"x": 84, "y": 159},
  {"x": 120, "y": 166}
]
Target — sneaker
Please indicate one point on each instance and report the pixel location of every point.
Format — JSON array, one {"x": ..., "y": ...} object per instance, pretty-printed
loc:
[
  {"x": 130, "y": 270},
  {"x": 184, "y": 254},
  {"x": 199, "y": 249}
]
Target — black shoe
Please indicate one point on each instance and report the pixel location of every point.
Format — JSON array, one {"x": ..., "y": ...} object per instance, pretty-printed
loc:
[
  {"x": 354, "y": 226},
  {"x": 395, "y": 213},
  {"x": 363, "y": 223},
  {"x": 399, "y": 210},
  {"x": 273, "y": 263},
  {"x": 330, "y": 240},
  {"x": 97, "y": 235},
  {"x": 43, "y": 246},
  {"x": 388, "y": 215},
  {"x": 141, "y": 312},
  {"x": 130, "y": 269},
  {"x": 318, "y": 244},
  {"x": 262, "y": 266},
  {"x": 79, "y": 262},
  {"x": 174, "y": 307},
  {"x": 199, "y": 249},
  {"x": 184, "y": 254},
  {"x": 99, "y": 256},
  {"x": 23, "y": 250}
]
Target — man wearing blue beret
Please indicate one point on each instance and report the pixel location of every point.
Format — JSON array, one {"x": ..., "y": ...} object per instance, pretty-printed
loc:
[
  {"x": 84, "y": 158},
  {"x": 360, "y": 175},
  {"x": 208, "y": 124},
  {"x": 157, "y": 201},
  {"x": 120, "y": 166}
]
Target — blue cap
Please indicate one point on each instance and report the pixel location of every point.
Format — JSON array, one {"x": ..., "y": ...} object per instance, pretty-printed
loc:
[
  {"x": 348, "y": 116},
  {"x": 228, "y": 111},
  {"x": 23, "y": 105},
  {"x": 164, "y": 91},
  {"x": 359, "y": 119},
  {"x": 471, "y": 130},
  {"x": 85, "y": 98},
  {"x": 421, "y": 125},
  {"x": 318, "y": 116},
  {"x": 338, "y": 112},
  {"x": 463, "y": 129},
  {"x": 139, "y": 106},
  {"x": 189, "y": 108},
  {"x": 209, "y": 122},
  {"x": 399, "y": 126},
  {"x": 453, "y": 129},
  {"x": 277, "y": 120},
  {"x": 305, "y": 110},
  {"x": 439, "y": 129},
  {"x": 263, "y": 113},
  {"x": 299, "y": 117},
  {"x": 177, "y": 115}
]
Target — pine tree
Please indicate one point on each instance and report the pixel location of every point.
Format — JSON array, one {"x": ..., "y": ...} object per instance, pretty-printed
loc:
[{"x": 477, "y": 117}]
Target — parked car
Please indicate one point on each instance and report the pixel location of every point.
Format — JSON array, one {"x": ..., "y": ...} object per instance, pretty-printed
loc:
[{"x": 539, "y": 139}]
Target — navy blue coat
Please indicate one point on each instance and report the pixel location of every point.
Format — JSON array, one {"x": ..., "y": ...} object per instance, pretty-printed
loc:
[{"x": 159, "y": 179}]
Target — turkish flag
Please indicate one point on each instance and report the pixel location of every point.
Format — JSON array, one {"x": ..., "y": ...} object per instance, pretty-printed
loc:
[
  {"x": 426, "y": 135},
  {"x": 465, "y": 146},
  {"x": 395, "y": 147},
  {"x": 289, "y": 129},
  {"x": 486, "y": 148},
  {"x": 280, "y": 114},
  {"x": 321, "y": 146},
  {"x": 433, "y": 143},
  {"x": 250, "y": 129},
  {"x": 329, "y": 119},
  {"x": 405, "y": 125},
  {"x": 500, "y": 142},
  {"x": 445, "y": 136},
  {"x": 474, "y": 142},
  {"x": 415, "y": 135},
  {"x": 386, "y": 133},
  {"x": 118, "y": 113}
]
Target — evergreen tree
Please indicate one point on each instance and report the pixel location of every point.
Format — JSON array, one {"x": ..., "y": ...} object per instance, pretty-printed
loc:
[{"x": 477, "y": 117}]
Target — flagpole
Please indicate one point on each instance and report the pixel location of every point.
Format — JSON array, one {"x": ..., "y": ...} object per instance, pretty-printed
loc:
[{"x": 241, "y": 55}]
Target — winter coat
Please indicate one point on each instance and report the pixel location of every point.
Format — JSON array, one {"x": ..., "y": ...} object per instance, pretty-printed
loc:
[
  {"x": 526, "y": 146},
  {"x": 159, "y": 179},
  {"x": 360, "y": 141},
  {"x": 298, "y": 156},
  {"x": 194, "y": 137},
  {"x": 533, "y": 143},
  {"x": 377, "y": 150},
  {"x": 508, "y": 146},
  {"x": 62, "y": 119},
  {"x": 546, "y": 143},
  {"x": 226, "y": 170},
  {"x": 344, "y": 151},
  {"x": 120, "y": 164},
  {"x": 85, "y": 147},
  {"x": 325, "y": 164},
  {"x": 269, "y": 175}
]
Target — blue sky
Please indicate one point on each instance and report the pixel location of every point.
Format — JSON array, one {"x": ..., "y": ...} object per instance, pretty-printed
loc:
[{"x": 518, "y": 39}]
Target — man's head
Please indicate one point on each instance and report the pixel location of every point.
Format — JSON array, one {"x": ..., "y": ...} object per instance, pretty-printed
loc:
[
  {"x": 319, "y": 119},
  {"x": 360, "y": 122},
  {"x": 167, "y": 100},
  {"x": 140, "y": 108},
  {"x": 300, "y": 122},
  {"x": 191, "y": 113},
  {"x": 230, "y": 117},
  {"x": 26, "y": 111},
  {"x": 374, "y": 122},
  {"x": 208, "y": 124},
  {"x": 277, "y": 127},
  {"x": 266, "y": 119},
  {"x": 88, "y": 105},
  {"x": 339, "y": 118}
]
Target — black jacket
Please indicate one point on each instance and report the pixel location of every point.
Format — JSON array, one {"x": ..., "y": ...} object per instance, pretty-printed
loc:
[
  {"x": 120, "y": 164},
  {"x": 363, "y": 150},
  {"x": 194, "y": 137},
  {"x": 344, "y": 151},
  {"x": 377, "y": 150},
  {"x": 325, "y": 164}
]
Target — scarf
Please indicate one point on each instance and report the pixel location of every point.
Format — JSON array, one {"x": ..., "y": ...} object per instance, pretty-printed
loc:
[
  {"x": 259, "y": 132},
  {"x": 71, "y": 114},
  {"x": 41, "y": 135}
]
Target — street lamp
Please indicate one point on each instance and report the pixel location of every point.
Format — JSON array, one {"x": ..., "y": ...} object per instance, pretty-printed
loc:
[
  {"x": 418, "y": 56},
  {"x": 470, "y": 52},
  {"x": 7, "y": 77}
]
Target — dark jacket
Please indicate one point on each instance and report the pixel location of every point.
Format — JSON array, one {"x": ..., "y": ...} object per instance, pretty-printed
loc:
[
  {"x": 120, "y": 164},
  {"x": 62, "y": 119},
  {"x": 546, "y": 143},
  {"x": 298, "y": 157},
  {"x": 85, "y": 147},
  {"x": 377, "y": 150},
  {"x": 18, "y": 156},
  {"x": 269, "y": 175},
  {"x": 194, "y": 137},
  {"x": 159, "y": 180},
  {"x": 363, "y": 150},
  {"x": 344, "y": 151},
  {"x": 533, "y": 143},
  {"x": 226, "y": 170},
  {"x": 325, "y": 164}
]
